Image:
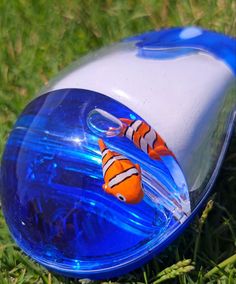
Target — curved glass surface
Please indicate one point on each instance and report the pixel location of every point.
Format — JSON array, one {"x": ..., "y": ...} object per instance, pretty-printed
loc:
[
  {"x": 52, "y": 180},
  {"x": 174, "y": 42}
]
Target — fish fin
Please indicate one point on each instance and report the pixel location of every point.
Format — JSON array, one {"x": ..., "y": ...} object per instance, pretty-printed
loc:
[
  {"x": 164, "y": 151},
  {"x": 154, "y": 155},
  {"x": 102, "y": 145},
  {"x": 127, "y": 121},
  {"x": 106, "y": 188}
]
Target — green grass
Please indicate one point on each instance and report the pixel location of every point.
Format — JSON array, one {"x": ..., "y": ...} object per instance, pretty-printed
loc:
[{"x": 38, "y": 39}]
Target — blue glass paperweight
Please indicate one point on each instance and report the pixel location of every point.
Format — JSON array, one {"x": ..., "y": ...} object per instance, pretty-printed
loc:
[{"x": 108, "y": 165}]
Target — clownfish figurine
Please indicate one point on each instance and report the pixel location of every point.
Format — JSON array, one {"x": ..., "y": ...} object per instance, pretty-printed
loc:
[
  {"x": 145, "y": 138},
  {"x": 122, "y": 177}
]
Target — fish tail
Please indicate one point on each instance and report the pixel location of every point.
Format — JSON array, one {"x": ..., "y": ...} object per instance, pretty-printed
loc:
[
  {"x": 154, "y": 155},
  {"x": 164, "y": 151},
  {"x": 102, "y": 145}
]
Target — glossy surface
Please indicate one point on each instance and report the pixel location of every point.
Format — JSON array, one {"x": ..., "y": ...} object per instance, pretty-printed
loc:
[
  {"x": 175, "y": 42},
  {"x": 52, "y": 179},
  {"x": 52, "y": 192}
]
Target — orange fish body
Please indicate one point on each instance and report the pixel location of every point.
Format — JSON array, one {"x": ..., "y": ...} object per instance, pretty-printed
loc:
[
  {"x": 145, "y": 138},
  {"x": 122, "y": 177}
]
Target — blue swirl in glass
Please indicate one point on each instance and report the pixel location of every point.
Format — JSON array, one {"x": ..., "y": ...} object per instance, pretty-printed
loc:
[{"x": 52, "y": 194}]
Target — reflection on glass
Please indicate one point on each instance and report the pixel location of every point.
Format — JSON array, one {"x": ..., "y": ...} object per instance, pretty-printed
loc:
[{"x": 52, "y": 191}]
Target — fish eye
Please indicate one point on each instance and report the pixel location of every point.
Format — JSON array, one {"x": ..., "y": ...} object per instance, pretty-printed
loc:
[{"x": 120, "y": 197}]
